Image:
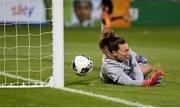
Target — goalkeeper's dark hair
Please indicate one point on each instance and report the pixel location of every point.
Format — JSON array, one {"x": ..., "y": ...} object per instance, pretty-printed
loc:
[{"x": 110, "y": 43}]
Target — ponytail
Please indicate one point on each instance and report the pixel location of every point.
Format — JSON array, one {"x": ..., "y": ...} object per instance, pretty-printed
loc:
[{"x": 107, "y": 33}]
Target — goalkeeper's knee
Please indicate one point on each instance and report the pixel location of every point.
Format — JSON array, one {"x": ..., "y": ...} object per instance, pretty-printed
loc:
[{"x": 141, "y": 59}]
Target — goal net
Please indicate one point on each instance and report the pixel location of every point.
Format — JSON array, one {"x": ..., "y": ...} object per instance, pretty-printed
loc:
[{"x": 31, "y": 36}]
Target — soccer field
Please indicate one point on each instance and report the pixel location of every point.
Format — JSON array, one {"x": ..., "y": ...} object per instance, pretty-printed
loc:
[{"x": 161, "y": 46}]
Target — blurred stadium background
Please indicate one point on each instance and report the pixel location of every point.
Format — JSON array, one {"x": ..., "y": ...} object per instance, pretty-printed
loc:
[
  {"x": 140, "y": 12},
  {"x": 152, "y": 28}
]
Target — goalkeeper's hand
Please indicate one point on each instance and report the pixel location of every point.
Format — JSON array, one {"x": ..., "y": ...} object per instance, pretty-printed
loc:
[{"x": 155, "y": 79}]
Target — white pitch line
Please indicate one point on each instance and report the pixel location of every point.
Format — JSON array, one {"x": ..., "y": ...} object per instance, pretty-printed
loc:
[{"x": 118, "y": 100}]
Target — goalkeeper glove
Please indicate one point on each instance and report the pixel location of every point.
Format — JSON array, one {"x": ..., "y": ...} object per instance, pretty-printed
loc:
[{"x": 155, "y": 79}]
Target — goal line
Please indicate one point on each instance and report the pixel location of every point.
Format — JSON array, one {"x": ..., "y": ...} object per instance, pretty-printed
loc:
[{"x": 37, "y": 83}]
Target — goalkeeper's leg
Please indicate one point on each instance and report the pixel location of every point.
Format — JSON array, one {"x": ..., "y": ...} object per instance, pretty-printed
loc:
[{"x": 146, "y": 68}]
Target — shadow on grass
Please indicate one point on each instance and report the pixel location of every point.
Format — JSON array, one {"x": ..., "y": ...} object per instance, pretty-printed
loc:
[{"x": 82, "y": 81}]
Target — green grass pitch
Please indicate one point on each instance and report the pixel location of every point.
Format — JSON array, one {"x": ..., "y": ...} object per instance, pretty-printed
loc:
[{"x": 161, "y": 45}]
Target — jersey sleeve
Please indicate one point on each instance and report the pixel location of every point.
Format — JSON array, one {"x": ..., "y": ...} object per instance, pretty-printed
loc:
[
  {"x": 115, "y": 72},
  {"x": 136, "y": 70}
]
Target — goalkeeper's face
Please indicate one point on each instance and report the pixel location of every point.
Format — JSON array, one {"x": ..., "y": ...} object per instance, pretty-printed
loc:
[{"x": 123, "y": 53}]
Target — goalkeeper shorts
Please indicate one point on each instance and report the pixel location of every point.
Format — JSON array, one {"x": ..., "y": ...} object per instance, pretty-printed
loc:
[{"x": 141, "y": 59}]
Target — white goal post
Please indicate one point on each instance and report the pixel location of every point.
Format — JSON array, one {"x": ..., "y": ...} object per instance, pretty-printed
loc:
[
  {"x": 57, "y": 80},
  {"x": 31, "y": 55}
]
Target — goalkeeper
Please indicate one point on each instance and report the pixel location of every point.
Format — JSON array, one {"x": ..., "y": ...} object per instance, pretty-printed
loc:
[{"x": 123, "y": 66}]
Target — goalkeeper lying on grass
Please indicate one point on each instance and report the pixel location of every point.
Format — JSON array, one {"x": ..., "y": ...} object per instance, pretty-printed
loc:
[{"x": 122, "y": 65}]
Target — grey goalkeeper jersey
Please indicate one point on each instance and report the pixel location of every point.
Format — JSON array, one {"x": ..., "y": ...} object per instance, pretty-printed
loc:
[{"x": 122, "y": 72}]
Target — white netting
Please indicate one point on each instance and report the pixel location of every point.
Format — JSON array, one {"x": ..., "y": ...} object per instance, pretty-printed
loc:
[{"x": 25, "y": 43}]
